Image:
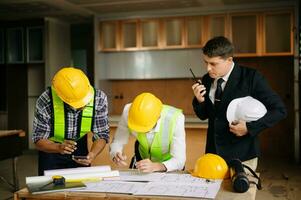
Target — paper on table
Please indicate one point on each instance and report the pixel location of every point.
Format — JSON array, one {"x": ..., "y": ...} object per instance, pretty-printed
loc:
[
  {"x": 112, "y": 187},
  {"x": 134, "y": 175},
  {"x": 94, "y": 176},
  {"x": 164, "y": 184},
  {"x": 103, "y": 168},
  {"x": 206, "y": 190}
]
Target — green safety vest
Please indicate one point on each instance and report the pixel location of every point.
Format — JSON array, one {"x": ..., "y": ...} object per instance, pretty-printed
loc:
[
  {"x": 159, "y": 150},
  {"x": 59, "y": 128}
]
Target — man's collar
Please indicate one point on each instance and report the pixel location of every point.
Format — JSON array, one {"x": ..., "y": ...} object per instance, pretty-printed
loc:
[{"x": 226, "y": 77}]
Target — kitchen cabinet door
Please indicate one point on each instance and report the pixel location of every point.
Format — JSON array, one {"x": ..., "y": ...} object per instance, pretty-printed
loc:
[
  {"x": 129, "y": 36},
  {"x": 278, "y": 33},
  {"x": 194, "y": 31},
  {"x": 150, "y": 33},
  {"x": 15, "y": 45},
  {"x": 244, "y": 34},
  {"x": 173, "y": 32},
  {"x": 109, "y": 36},
  {"x": 35, "y": 45}
]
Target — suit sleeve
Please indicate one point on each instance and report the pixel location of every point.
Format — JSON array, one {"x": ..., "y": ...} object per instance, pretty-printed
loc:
[
  {"x": 200, "y": 109},
  {"x": 276, "y": 110}
]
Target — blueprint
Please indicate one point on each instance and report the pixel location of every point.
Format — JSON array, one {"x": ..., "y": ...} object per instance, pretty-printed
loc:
[{"x": 158, "y": 184}]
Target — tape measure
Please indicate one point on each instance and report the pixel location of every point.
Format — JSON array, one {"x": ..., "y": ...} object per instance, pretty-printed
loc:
[{"x": 58, "y": 180}]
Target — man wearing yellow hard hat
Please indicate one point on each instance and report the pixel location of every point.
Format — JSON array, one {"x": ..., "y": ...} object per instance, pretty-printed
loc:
[
  {"x": 64, "y": 114},
  {"x": 159, "y": 130}
]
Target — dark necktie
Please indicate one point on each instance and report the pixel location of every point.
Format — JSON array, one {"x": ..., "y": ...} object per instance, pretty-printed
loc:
[{"x": 218, "y": 92}]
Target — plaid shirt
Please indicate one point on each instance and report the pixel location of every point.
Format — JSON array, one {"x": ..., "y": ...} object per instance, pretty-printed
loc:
[{"x": 42, "y": 119}]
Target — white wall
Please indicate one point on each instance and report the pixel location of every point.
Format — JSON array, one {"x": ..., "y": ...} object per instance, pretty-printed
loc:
[
  {"x": 58, "y": 53},
  {"x": 159, "y": 64}
]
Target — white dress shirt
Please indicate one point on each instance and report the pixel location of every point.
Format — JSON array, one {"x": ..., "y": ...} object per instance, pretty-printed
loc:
[
  {"x": 214, "y": 85},
  {"x": 177, "y": 147}
]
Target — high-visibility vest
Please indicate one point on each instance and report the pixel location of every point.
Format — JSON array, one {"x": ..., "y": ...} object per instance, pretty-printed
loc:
[
  {"x": 59, "y": 127},
  {"x": 159, "y": 150}
]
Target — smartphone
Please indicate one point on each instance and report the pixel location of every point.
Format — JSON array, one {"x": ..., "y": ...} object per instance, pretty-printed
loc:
[
  {"x": 79, "y": 157},
  {"x": 194, "y": 77}
]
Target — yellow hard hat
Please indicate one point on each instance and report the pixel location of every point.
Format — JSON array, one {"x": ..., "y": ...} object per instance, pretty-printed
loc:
[
  {"x": 144, "y": 112},
  {"x": 73, "y": 87},
  {"x": 211, "y": 166}
]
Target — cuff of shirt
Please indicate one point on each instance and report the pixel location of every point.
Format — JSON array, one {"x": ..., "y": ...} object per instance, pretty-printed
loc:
[
  {"x": 169, "y": 166},
  {"x": 114, "y": 149}
]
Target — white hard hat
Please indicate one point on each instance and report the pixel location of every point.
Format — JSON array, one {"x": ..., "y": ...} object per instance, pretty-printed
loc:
[{"x": 245, "y": 108}]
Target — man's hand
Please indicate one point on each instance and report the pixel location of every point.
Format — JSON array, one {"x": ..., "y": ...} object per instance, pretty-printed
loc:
[
  {"x": 87, "y": 161},
  {"x": 238, "y": 128},
  {"x": 120, "y": 159},
  {"x": 199, "y": 91},
  {"x": 67, "y": 147},
  {"x": 147, "y": 165}
]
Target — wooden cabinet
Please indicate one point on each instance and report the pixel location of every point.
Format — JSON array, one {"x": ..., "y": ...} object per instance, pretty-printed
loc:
[
  {"x": 150, "y": 32},
  {"x": 173, "y": 32},
  {"x": 35, "y": 44},
  {"x": 278, "y": 33},
  {"x": 244, "y": 33},
  {"x": 15, "y": 45},
  {"x": 109, "y": 36},
  {"x": 253, "y": 34},
  {"x": 22, "y": 45},
  {"x": 129, "y": 35},
  {"x": 194, "y": 31},
  {"x": 216, "y": 26}
]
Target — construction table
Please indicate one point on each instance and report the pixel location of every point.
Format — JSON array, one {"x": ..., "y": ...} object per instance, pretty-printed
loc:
[
  {"x": 11, "y": 147},
  {"x": 225, "y": 193}
]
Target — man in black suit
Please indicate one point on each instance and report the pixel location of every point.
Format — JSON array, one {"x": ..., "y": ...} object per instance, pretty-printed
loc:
[{"x": 224, "y": 82}]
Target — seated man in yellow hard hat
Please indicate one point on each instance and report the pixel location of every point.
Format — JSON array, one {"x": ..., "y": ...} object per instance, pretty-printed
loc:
[
  {"x": 159, "y": 130},
  {"x": 64, "y": 114}
]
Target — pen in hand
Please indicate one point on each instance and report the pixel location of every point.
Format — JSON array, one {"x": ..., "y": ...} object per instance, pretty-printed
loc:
[{"x": 134, "y": 162}]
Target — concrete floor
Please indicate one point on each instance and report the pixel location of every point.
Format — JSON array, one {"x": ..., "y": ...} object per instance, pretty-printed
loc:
[{"x": 281, "y": 179}]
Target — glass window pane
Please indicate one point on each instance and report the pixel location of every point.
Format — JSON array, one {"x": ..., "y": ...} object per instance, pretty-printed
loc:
[
  {"x": 35, "y": 44},
  {"x": 194, "y": 31},
  {"x": 217, "y": 26},
  {"x": 129, "y": 34},
  {"x": 149, "y": 33},
  {"x": 109, "y": 35},
  {"x": 277, "y": 33},
  {"x": 173, "y": 32},
  {"x": 15, "y": 45},
  {"x": 244, "y": 33}
]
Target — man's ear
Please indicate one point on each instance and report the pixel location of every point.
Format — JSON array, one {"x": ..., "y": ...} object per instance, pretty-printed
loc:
[{"x": 230, "y": 59}]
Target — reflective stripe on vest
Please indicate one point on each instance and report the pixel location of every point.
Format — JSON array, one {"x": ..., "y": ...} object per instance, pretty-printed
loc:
[
  {"x": 59, "y": 118},
  {"x": 159, "y": 150}
]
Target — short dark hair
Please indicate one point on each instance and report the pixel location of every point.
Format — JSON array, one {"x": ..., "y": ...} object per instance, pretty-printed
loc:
[{"x": 218, "y": 46}]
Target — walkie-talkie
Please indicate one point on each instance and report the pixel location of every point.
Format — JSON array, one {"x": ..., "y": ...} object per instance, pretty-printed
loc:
[{"x": 194, "y": 77}]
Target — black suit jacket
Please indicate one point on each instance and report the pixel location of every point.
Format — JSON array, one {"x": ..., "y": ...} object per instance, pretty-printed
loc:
[{"x": 242, "y": 82}]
